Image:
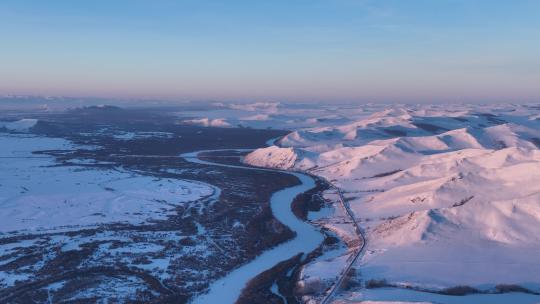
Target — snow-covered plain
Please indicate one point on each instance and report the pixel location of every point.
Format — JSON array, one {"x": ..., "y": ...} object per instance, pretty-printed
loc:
[
  {"x": 52, "y": 210},
  {"x": 446, "y": 195},
  {"x": 36, "y": 194}
]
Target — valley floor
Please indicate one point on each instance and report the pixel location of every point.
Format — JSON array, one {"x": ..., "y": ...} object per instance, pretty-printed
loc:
[{"x": 109, "y": 210}]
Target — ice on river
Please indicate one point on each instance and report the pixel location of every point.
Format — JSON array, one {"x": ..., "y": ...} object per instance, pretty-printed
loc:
[{"x": 228, "y": 289}]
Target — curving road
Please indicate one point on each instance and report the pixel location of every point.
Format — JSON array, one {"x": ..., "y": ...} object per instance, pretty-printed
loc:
[{"x": 335, "y": 288}]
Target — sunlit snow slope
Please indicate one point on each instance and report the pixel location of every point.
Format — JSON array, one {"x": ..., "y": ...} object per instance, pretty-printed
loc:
[{"x": 447, "y": 196}]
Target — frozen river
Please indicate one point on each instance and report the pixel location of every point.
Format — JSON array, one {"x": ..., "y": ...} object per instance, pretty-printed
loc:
[{"x": 308, "y": 238}]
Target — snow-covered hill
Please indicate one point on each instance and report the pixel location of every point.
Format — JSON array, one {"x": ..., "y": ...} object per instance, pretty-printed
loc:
[
  {"x": 21, "y": 125},
  {"x": 207, "y": 122},
  {"x": 456, "y": 190}
]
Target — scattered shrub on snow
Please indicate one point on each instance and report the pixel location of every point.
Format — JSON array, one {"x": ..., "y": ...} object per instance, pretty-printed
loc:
[
  {"x": 376, "y": 283},
  {"x": 459, "y": 290}
]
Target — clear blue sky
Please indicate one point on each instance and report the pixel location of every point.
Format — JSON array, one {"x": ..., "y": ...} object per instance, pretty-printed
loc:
[{"x": 283, "y": 50}]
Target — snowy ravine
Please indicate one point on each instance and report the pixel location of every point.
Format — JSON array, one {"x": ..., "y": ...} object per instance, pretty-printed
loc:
[{"x": 308, "y": 238}]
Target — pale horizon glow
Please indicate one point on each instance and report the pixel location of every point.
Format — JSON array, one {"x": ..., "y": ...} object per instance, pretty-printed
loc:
[{"x": 334, "y": 51}]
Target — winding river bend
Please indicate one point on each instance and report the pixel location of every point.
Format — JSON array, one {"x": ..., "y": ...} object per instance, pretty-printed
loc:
[{"x": 308, "y": 238}]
